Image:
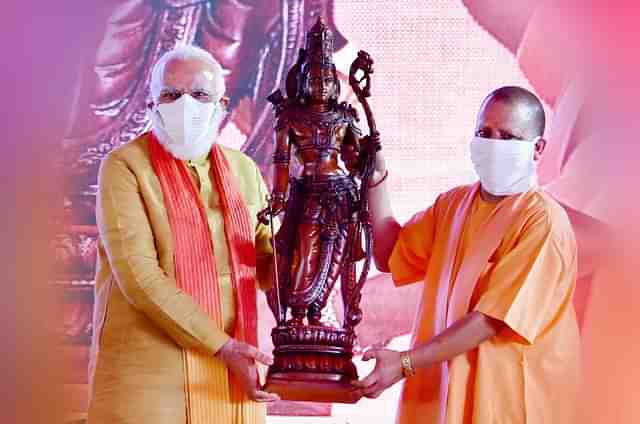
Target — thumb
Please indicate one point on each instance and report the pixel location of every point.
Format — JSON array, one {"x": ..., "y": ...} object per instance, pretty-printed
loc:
[
  {"x": 369, "y": 380},
  {"x": 263, "y": 358},
  {"x": 369, "y": 354}
]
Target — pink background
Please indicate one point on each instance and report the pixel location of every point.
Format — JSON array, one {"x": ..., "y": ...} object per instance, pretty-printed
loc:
[{"x": 435, "y": 61}]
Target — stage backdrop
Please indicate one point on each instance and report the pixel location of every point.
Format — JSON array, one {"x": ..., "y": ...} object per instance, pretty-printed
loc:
[{"x": 434, "y": 63}]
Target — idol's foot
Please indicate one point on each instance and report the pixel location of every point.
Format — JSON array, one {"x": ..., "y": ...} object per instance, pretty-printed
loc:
[{"x": 295, "y": 322}]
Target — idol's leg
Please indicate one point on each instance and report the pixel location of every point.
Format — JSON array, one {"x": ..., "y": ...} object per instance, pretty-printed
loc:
[
  {"x": 337, "y": 259},
  {"x": 306, "y": 256}
]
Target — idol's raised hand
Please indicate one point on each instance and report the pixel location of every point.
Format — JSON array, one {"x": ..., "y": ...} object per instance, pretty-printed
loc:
[{"x": 387, "y": 372}]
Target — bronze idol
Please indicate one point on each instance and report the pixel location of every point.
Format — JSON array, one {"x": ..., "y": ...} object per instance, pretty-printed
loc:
[{"x": 325, "y": 221}]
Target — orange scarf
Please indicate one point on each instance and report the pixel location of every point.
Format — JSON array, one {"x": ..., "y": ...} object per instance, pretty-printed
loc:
[
  {"x": 194, "y": 254},
  {"x": 210, "y": 393}
]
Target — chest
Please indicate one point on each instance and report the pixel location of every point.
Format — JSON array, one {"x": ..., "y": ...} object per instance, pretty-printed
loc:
[
  {"x": 209, "y": 195},
  {"x": 318, "y": 130}
]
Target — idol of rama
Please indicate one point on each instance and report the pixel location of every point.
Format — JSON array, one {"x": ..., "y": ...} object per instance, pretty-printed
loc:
[
  {"x": 325, "y": 222},
  {"x": 320, "y": 239}
]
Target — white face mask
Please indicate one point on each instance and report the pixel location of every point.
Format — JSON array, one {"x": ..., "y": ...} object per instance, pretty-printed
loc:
[
  {"x": 186, "y": 127},
  {"x": 505, "y": 167}
]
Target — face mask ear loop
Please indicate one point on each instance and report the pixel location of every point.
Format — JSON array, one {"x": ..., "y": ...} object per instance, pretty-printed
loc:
[
  {"x": 157, "y": 112},
  {"x": 535, "y": 149}
]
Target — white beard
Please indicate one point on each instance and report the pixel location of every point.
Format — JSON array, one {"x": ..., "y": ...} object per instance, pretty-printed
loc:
[{"x": 193, "y": 150}]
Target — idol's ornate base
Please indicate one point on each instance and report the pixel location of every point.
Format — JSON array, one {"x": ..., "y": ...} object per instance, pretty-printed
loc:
[
  {"x": 308, "y": 387},
  {"x": 313, "y": 363}
]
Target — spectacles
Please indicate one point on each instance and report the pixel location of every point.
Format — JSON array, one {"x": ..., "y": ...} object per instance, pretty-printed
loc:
[{"x": 169, "y": 95}]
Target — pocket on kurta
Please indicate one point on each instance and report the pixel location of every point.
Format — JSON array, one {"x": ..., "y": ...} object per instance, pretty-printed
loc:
[{"x": 102, "y": 318}]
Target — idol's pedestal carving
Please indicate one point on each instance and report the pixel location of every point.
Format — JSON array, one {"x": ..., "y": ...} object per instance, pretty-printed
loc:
[
  {"x": 326, "y": 221},
  {"x": 313, "y": 363}
]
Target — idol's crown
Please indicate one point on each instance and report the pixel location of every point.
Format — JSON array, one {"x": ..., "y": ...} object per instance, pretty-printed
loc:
[{"x": 320, "y": 41}]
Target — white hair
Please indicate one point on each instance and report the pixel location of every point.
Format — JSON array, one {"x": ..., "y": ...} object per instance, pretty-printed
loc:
[{"x": 186, "y": 52}]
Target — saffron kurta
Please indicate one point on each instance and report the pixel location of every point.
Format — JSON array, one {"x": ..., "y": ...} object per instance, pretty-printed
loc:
[
  {"x": 528, "y": 373},
  {"x": 142, "y": 321}
]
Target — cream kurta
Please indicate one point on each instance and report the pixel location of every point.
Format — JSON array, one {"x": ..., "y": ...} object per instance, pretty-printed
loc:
[
  {"x": 528, "y": 372},
  {"x": 141, "y": 319}
]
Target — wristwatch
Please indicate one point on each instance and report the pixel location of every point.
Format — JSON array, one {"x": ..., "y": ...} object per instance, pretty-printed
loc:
[{"x": 407, "y": 366}]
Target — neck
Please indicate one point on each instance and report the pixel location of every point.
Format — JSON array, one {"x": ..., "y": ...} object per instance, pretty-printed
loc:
[
  {"x": 488, "y": 197},
  {"x": 319, "y": 107}
]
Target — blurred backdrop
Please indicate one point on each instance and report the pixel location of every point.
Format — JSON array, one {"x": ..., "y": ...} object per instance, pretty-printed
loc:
[{"x": 86, "y": 68}]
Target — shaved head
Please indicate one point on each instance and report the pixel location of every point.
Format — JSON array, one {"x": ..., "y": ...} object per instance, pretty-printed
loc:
[
  {"x": 514, "y": 117},
  {"x": 512, "y": 111}
]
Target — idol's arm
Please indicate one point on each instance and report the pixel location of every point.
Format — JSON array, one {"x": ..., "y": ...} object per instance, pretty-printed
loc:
[
  {"x": 351, "y": 150},
  {"x": 281, "y": 159}
]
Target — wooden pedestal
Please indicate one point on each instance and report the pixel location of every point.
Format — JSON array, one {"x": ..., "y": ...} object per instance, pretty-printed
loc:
[
  {"x": 313, "y": 363},
  {"x": 312, "y": 387}
]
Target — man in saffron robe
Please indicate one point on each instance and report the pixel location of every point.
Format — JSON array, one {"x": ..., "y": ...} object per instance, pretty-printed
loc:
[
  {"x": 175, "y": 311},
  {"x": 496, "y": 338}
]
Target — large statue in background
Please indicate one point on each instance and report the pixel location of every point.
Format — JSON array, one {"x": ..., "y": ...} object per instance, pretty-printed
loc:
[
  {"x": 325, "y": 217},
  {"x": 255, "y": 41}
]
